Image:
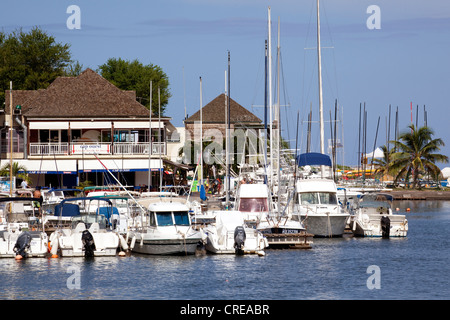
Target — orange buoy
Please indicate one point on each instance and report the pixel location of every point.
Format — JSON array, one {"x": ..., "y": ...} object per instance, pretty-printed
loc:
[
  {"x": 54, "y": 256},
  {"x": 18, "y": 257},
  {"x": 408, "y": 209}
]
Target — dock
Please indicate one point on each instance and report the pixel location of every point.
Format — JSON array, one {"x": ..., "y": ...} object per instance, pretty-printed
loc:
[{"x": 420, "y": 194}]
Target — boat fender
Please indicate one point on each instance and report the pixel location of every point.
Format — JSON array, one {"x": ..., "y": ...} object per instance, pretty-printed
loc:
[
  {"x": 385, "y": 226},
  {"x": 133, "y": 242},
  {"x": 22, "y": 244},
  {"x": 88, "y": 243},
  {"x": 123, "y": 243},
  {"x": 54, "y": 242}
]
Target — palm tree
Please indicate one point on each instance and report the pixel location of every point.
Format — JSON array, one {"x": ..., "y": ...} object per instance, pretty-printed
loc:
[
  {"x": 18, "y": 171},
  {"x": 382, "y": 165},
  {"x": 416, "y": 154}
]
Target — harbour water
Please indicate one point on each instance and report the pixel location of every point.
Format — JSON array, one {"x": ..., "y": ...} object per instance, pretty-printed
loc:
[{"x": 416, "y": 267}]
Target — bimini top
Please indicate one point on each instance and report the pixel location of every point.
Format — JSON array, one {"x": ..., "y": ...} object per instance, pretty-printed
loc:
[{"x": 313, "y": 158}]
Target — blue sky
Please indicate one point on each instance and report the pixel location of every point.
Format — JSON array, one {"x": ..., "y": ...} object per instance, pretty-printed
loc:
[{"x": 407, "y": 60}]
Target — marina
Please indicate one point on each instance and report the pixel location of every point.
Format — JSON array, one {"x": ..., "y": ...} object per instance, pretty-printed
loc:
[
  {"x": 335, "y": 269},
  {"x": 105, "y": 196}
]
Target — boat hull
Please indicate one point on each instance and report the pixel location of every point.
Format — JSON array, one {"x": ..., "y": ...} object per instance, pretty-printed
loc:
[
  {"x": 371, "y": 226},
  {"x": 167, "y": 246},
  {"x": 325, "y": 225}
]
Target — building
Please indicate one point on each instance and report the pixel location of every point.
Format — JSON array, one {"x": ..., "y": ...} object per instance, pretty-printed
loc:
[
  {"x": 79, "y": 128},
  {"x": 246, "y": 131}
]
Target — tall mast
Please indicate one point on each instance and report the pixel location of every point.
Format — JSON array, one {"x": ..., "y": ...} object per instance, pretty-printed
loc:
[
  {"x": 270, "y": 93},
  {"x": 159, "y": 140},
  {"x": 11, "y": 131},
  {"x": 150, "y": 141},
  {"x": 201, "y": 134},
  {"x": 277, "y": 116},
  {"x": 319, "y": 62}
]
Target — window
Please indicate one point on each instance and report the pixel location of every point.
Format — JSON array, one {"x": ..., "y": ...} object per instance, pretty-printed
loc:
[
  {"x": 181, "y": 218},
  {"x": 253, "y": 205},
  {"x": 318, "y": 198},
  {"x": 309, "y": 198},
  {"x": 327, "y": 198},
  {"x": 164, "y": 218}
]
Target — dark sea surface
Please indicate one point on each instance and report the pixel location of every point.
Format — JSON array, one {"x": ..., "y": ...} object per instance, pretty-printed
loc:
[{"x": 416, "y": 267}]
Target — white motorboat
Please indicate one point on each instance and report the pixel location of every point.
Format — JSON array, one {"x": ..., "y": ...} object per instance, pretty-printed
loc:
[
  {"x": 373, "y": 217},
  {"x": 165, "y": 229},
  {"x": 230, "y": 235},
  {"x": 318, "y": 208},
  {"x": 21, "y": 234},
  {"x": 90, "y": 233}
]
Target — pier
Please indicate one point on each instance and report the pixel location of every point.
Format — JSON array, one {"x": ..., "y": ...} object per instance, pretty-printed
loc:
[{"x": 420, "y": 194}]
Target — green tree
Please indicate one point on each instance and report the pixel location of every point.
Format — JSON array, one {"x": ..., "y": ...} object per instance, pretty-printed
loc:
[
  {"x": 416, "y": 154},
  {"x": 133, "y": 75},
  {"x": 382, "y": 165},
  {"x": 18, "y": 171},
  {"x": 31, "y": 60}
]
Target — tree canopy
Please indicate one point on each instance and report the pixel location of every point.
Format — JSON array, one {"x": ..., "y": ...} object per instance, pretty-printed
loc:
[
  {"x": 416, "y": 154},
  {"x": 133, "y": 75},
  {"x": 31, "y": 60}
]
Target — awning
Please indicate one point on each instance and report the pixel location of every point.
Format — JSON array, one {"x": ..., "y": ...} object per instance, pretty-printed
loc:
[
  {"x": 178, "y": 165},
  {"x": 47, "y": 166},
  {"x": 313, "y": 158},
  {"x": 118, "y": 165}
]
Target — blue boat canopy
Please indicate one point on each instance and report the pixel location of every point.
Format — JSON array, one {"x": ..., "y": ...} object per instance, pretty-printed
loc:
[{"x": 313, "y": 158}]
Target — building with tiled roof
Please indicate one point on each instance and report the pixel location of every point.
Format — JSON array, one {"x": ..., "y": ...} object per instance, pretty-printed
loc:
[{"x": 63, "y": 129}]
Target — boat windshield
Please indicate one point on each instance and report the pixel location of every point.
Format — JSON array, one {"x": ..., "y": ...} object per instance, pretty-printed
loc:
[
  {"x": 181, "y": 218},
  {"x": 318, "y": 198},
  {"x": 253, "y": 205},
  {"x": 164, "y": 218}
]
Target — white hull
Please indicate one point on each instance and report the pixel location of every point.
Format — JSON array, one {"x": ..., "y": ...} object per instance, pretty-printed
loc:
[
  {"x": 254, "y": 243},
  {"x": 325, "y": 225},
  {"x": 370, "y": 226},
  {"x": 38, "y": 245},
  {"x": 69, "y": 242}
]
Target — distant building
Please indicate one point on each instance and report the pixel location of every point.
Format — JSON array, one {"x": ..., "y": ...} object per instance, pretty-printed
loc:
[
  {"x": 59, "y": 133},
  {"x": 213, "y": 120}
]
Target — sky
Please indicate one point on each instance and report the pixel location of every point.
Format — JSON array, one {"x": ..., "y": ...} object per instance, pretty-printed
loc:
[{"x": 403, "y": 61}]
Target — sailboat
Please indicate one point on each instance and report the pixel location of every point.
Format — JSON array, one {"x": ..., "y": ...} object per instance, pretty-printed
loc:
[
  {"x": 316, "y": 199},
  {"x": 255, "y": 196}
]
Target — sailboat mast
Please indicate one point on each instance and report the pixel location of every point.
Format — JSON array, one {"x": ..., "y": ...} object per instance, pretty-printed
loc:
[
  {"x": 11, "y": 131},
  {"x": 277, "y": 116},
  {"x": 270, "y": 93},
  {"x": 201, "y": 134},
  {"x": 227, "y": 195},
  {"x": 319, "y": 63}
]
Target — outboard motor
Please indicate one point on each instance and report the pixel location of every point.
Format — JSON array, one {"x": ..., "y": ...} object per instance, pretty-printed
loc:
[
  {"x": 88, "y": 243},
  {"x": 22, "y": 244},
  {"x": 385, "y": 226},
  {"x": 239, "y": 239}
]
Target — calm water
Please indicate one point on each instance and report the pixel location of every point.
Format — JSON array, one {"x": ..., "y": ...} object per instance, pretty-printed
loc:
[{"x": 413, "y": 268}]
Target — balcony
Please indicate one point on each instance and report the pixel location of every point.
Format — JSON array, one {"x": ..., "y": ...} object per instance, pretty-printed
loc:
[{"x": 118, "y": 148}]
